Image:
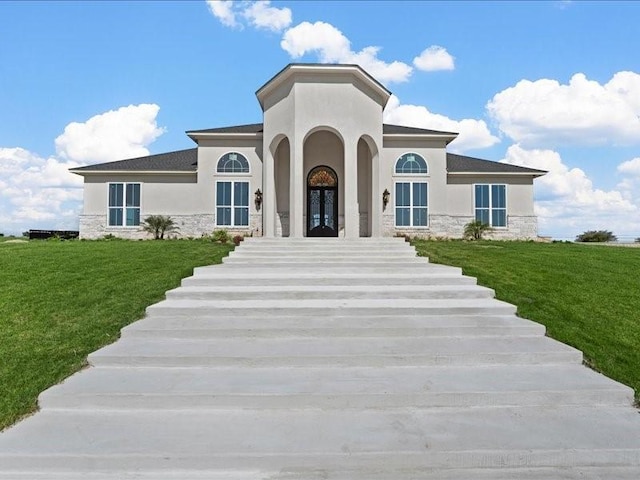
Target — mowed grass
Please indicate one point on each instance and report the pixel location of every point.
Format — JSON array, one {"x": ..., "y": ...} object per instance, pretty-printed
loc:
[
  {"x": 61, "y": 300},
  {"x": 587, "y": 296}
]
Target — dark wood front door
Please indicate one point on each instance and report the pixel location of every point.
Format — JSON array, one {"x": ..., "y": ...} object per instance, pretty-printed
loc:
[{"x": 322, "y": 203}]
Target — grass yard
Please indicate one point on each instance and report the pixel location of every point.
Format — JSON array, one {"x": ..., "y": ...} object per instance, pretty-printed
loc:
[
  {"x": 61, "y": 300},
  {"x": 587, "y": 296}
]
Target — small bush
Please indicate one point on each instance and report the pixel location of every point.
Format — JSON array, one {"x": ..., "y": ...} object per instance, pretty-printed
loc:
[
  {"x": 158, "y": 225},
  {"x": 237, "y": 239},
  {"x": 220, "y": 236},
  {"x": 475, "y": 230},
  {"x": 596, "y": 236}
]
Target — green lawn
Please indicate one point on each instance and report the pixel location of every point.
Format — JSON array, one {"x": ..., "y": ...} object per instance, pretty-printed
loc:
[
  {"x": 588, "y": 296},
  {"x": 61, "y": 300}
]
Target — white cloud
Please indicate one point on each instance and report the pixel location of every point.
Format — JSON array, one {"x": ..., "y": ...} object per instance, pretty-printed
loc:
[
  {"x": 263, "y": 15},
  {"x": 630, "y": 167},
  {"x": 567, "y": 202},
  {"x": 473, "y": 133},
  {"x": 223, "y": 10},
  {"x": 37, "y": 192},
  {"x": 433, "y": 59},
  {"x": 114, "y": 135},
  {"x": 332, "y": 46},
  {"x": 546, "y": 113}
]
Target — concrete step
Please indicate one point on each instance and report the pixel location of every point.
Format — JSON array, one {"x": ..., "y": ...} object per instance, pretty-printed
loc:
[
  {"x": 217, "y": 326},
  {"x": 296, "y": 278},
  {"x": 333, "y": 351},
  {"x": 398, "y": 262},
  {"x": 320, "y": 269},
  {"x": 331, "y": 307},
  {"x": 328, "y": 473},
  {"x": 328, "y": 251},
  {"x": 99, "y": 440},
  {"x": 304, "y": 292},
  {"x": 337, "y": 387}
]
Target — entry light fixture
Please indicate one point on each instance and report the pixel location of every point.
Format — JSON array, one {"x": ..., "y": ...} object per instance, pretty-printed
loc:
[
  {"x": 258, "y": 199},
  {"x": 385, "y": 199}
]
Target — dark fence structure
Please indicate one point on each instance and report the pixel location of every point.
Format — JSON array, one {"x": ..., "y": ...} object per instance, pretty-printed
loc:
[{"x": 44, "y": 234}]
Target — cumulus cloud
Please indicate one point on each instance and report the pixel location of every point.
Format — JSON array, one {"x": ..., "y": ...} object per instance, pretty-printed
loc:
[
  {"x": 473, "y": 134},
  {"x": 433, "y": 59},
  {"x": 114, "y": 135},
  {"x": 566, "y": 200},
  {"x": 547, "y": 113},
  {"x": 332, "y": 46},
  {"x": 223, "y": 10},
  {"x": 630, "y": 167},
  {"x": 38, "y": 192},
  {"x": 258, "y": 14},
  {"x": 263, "y": 15}
]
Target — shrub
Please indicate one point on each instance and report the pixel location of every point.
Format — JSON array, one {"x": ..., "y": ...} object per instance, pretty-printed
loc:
[
  {"x": 237, "y": 239},
  {"x": 221, "y": 236},
  {"x": 475, "y": 230},
  {"x": 637, "y": 240},
  {"x": 159, "y": 225},
  {"x": 596, "y": 236}
]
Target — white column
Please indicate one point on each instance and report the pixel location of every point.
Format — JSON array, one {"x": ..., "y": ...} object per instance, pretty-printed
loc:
[
  {"x": 376, "y": 197},
  {"x": 351, "y": 214},
  {"x": 269, "y": 197},
  {"x": 296, "y": 189}
]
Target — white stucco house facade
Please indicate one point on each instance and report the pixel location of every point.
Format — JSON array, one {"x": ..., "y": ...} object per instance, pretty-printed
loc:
[{"x": 322, "y": 163}]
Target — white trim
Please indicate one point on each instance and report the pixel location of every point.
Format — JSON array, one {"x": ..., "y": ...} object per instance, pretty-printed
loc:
[
  {"x": 492, "y": 174},
  {"x": 136, "y": 172},
  {"x": 124, "y": 206},
  {"x": 237, "y": 174},
  {"x": 506, "y": 204},
  {"x": 232, "y": 206},
  {"x": 403, "y": 175},
  {"x": 411, "y": 207}
]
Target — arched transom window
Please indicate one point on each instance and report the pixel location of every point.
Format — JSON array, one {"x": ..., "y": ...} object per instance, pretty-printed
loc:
[
  {"x": 411, "y": 163},
  {"x": 233, "y": 162},
  {"x": 322, "y": 177}
]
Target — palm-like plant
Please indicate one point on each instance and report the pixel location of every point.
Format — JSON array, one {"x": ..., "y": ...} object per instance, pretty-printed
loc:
[
  {"x": 475, "y": 230},
  {"x": 159, "y": 225}
]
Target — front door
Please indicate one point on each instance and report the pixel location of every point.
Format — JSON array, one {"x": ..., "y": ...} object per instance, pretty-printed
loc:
[{"x": 322, "y": 202}]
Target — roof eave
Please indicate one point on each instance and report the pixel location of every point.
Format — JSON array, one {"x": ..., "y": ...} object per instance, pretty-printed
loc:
[
  {"x": 422, "y": 136},
  {"x": 154, "y": 172},
  {"x": 474, "y": 174},
  {"x": 195, "y": 136},
  {"x": 295, "y": 68}
]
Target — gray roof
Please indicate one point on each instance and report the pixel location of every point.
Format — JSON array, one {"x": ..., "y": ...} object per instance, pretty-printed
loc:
[
  {"x": 386, "y": 129},
  {"x": 179, "y": 161},
  {"x": 463, "y": 164},
  {"x": 187, "y": 160}
]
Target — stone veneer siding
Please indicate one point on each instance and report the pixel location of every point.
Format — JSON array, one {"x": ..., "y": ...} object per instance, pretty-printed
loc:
[
  {"x": 449, "y": 226},
  {"x": 196, "y": 225}
]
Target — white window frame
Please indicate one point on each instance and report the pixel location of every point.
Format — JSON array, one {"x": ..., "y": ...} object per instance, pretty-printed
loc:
[
  {"x": 411, "y": 205},
  {"x": 411, "y": 174},
  {"x": 491, "y": 207},
  {"x": 124, "y": 207},
  {"x": 233, "y": 174},
  {"x": 233, "y": 206}
]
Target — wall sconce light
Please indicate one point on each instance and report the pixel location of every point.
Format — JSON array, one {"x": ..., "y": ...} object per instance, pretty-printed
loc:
[
  {"x": 258, "y": 199},
  {"x": 385, "y": 199}
]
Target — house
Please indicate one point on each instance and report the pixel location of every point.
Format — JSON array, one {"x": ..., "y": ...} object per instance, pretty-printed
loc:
[{"x": 322, "y": 163}]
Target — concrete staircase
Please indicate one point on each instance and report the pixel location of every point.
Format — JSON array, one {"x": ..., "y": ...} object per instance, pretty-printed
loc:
[{"x": 330, "y": 359}]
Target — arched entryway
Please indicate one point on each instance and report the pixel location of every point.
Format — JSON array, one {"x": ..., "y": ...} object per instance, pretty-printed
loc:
[{"x": 322, "y": 202}]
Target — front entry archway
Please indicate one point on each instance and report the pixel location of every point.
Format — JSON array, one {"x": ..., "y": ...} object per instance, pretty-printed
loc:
[{"x": 322, "y": 202}]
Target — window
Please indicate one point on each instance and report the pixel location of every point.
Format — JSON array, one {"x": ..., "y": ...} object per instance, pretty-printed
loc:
[
  {"x": 411, "y": 163},
  {"x": 233, "y": 162},
  {"x": 491, "y": 204},
  {"x": 124, "y": 204},
  {"x": 232, "y": 204},
  {"x": 411, "y": 204}
]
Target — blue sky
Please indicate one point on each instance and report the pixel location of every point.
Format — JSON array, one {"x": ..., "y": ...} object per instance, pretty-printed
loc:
[{"x": 551, "y": 85}]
